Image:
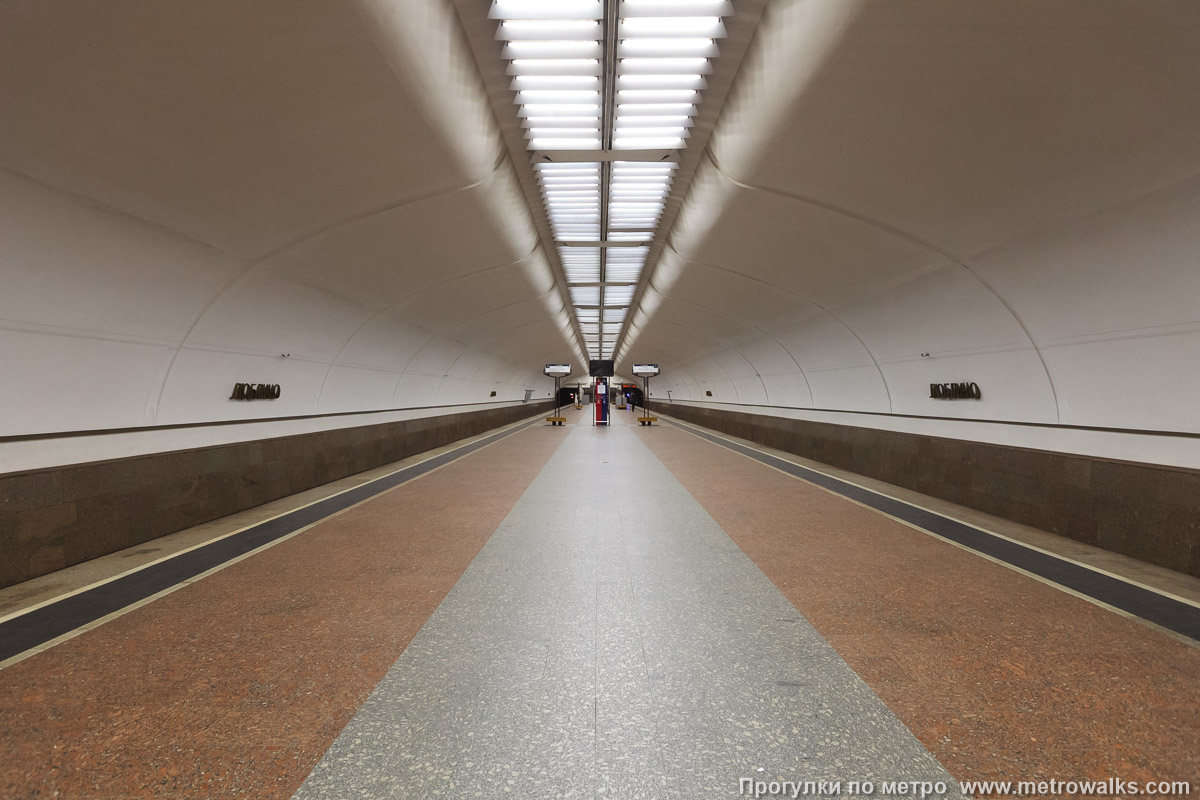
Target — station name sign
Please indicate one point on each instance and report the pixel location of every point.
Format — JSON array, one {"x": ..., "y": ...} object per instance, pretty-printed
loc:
[
  {"x": 645, "y": 370},
  {"x": 255, "y": 391},
  {"x": 557, "y": 370},
  {"x": 955, "y": 391}
]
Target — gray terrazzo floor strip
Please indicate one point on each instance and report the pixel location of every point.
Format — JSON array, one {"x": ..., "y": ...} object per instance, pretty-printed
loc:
[{"x": 610, "y": 640}]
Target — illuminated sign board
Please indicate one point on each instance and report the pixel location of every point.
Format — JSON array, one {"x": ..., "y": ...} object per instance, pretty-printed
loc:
[
  {"x": 645, "y": 370},
  {"x": 558, "y": 370}
]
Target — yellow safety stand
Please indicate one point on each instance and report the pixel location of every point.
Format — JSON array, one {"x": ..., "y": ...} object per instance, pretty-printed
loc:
[
  {"x": 556, "y": 420},
  {"x": 647, "y": 420}
]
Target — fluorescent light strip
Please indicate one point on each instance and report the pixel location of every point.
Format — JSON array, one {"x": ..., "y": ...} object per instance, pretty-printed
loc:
[
  {"x": 527, "y": 97},
  {"x": 617, "y": 296},
  {"x": 543, "y": 132},
  {"x": 644, "y": 143},
  {"x": 622, "y": 128},
  {"x": 673, "y": 27},
  {"x": 624, "y": 273},
  {"x": 567, "y": 30},
  {"x": 585, "y": 295},
  {"x": 557, "y": 67},
  {"x": 663, "y": 66},
  {"x": 580, "y": 172},
  {"x": 638, "y": 82},
  {"x": 559, "y": 110},
  {"x": 666, "y": 8},
  {"x": 665, "y": 48},
  {"x": 579, "y": 82},
  {"x": 644, "y": 166},
  {"x": 554, "y": 49},
  {"x": 644, "y": 95},
  {"x": 544, "y": 9},
  {"x": 653, "y": 121},
  {"x": 654, "y": 109},
  {"x": 563, "y": 121}
]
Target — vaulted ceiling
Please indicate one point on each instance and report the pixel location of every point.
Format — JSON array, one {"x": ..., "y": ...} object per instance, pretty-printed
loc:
[{"x": 855, "y": 199}]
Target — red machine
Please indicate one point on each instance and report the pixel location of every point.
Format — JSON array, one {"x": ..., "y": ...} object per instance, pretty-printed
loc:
[{"x": 600, "y": 397}]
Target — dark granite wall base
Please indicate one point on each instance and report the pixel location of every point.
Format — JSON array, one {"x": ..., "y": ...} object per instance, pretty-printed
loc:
[
  {"x": 53, "y": 518},
  {"x": 1147, "y": 512}
]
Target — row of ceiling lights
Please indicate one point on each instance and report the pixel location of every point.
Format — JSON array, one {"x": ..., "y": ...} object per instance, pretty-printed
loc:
[{"x": 584, "y": 81}]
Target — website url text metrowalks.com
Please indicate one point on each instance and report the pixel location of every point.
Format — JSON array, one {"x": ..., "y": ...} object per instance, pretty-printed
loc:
[{"x": 1112, "y": 787}]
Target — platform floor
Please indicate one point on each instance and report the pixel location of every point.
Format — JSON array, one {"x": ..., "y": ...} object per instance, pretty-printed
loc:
[{"x": 588, "y": 612}]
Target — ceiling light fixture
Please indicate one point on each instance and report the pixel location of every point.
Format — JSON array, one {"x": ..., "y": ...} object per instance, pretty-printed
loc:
[{"x": 606, "y": 76}]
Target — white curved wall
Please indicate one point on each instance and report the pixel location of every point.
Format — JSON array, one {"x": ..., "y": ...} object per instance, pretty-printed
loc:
[
  {"x": 188, "y": 191},
  {"x": 1012, "y": 188}
]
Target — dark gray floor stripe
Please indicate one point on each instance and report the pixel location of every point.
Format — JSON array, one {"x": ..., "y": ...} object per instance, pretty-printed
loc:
[
  {"x": 43, "y": 624},
  {"x": 1151, "y": 606}
]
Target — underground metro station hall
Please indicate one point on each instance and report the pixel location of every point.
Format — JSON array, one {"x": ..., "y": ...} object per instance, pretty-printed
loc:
[{"x": 599, "y": 399}]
